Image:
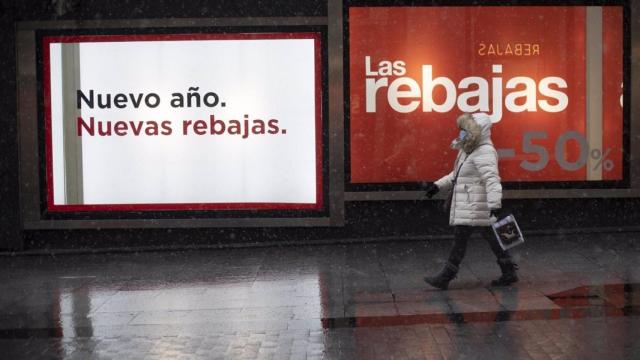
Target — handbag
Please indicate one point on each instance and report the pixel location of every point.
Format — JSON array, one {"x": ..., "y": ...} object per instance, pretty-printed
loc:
[{"x": 507, "y": 232}]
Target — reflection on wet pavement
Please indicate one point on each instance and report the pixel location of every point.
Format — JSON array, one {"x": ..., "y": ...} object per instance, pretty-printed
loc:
[
  {"x": 578, "y": 298},
  {"x": 612, "y": 300}
]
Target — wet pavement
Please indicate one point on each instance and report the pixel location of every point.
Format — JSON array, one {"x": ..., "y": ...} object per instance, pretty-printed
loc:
[{"x": 578, "y": 298}]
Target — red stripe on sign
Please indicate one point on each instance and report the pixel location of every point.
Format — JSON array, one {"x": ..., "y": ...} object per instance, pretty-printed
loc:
[
  {"x": 46, "y": 54},
  {"x": 184, "y": 207}
]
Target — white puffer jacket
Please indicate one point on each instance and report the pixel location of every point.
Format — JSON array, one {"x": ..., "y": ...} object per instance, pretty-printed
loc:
[{"x": 477, "y": 190}]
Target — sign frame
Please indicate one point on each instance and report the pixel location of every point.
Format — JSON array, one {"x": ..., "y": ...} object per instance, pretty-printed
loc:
[
  {"x": 48, "y": 37},
  {"x": 412, "y": 190},
  {"x": 33, "y": 193}
]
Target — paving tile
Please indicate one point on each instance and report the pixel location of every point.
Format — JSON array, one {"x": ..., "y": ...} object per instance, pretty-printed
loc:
[
  {"x": 318, "y": 311},
  {"x": 477, "y": 294},
  {"x": 186, "y": 316},
  {"x": 418, "y": 308},
  {"x": 371, "y": 309},
  {"x": 515, "y": 292},
  {"x": 369, "y": 297},
  {"x": 474, "y": 306},
  {"x": 531, "y": 303}
]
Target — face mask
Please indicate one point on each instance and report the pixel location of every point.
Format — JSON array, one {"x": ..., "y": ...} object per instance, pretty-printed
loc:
[
  {"x": 457, "y": 143},
  {"x": 463, "y": 135}
]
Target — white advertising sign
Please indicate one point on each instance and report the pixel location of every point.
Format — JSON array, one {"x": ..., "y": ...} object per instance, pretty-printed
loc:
[{"x": 189, "y": 121}]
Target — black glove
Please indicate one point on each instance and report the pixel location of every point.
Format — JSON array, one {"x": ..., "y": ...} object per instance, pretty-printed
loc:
[
  {"x": 498, "y": 214},
  {"x": 432, "y": 189}
]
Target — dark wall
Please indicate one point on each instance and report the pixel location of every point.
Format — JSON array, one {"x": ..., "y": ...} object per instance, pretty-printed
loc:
[
  {"x": 21, "y": 10},
  {"x": 10, "y": 235},
  {"x": 396, "y": 219},
  {"x": 364, "y": 220}
]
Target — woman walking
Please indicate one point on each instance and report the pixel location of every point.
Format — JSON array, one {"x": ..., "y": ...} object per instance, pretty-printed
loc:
[{"x": 476, "y": 198}]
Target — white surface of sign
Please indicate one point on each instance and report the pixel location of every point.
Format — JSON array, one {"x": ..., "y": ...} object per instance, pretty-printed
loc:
[{"x": 137, "y": 152}]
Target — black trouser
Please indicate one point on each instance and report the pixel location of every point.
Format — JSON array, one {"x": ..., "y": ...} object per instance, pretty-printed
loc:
[{"x": 461, "y": 237}]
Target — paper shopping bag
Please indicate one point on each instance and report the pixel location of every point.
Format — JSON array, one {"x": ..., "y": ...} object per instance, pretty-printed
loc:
[{"x": 507, "y": 232}]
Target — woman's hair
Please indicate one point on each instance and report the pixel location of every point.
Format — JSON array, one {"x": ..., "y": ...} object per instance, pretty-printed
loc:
[
  {"x": 474, "y": 131},
  {"x": 463, "y": 119}
]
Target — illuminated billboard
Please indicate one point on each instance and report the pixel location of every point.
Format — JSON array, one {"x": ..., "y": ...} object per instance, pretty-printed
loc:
[
  {"x": 183, "y": 121},
  {"x": 550, "y": 78}
]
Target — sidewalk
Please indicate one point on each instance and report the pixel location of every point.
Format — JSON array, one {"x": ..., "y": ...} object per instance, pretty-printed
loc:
[{"x": 579, "y": 297}]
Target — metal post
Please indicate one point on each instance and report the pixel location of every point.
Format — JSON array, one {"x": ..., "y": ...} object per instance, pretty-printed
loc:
[
  {"x": 594, "y": 89},
  {"x": 70, "y": 112}
]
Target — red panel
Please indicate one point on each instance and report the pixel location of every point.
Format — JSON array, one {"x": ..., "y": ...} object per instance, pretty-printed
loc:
[
  {"x": 612, "y": 74},
  {"x": 456, "y": 43}
]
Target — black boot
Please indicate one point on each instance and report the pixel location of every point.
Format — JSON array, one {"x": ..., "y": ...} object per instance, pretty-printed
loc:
[
  {"x": 441, "y": 281},
  {"x": 509, "y": 275}
]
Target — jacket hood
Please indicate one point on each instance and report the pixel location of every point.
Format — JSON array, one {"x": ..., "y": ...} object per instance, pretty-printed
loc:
[
  {"x": 478, "y": 128},
  {"x": 485, "y": 123}
]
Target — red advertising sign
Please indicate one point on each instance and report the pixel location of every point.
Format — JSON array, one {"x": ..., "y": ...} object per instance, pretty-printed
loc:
[{"x": 554, "y": 100}]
